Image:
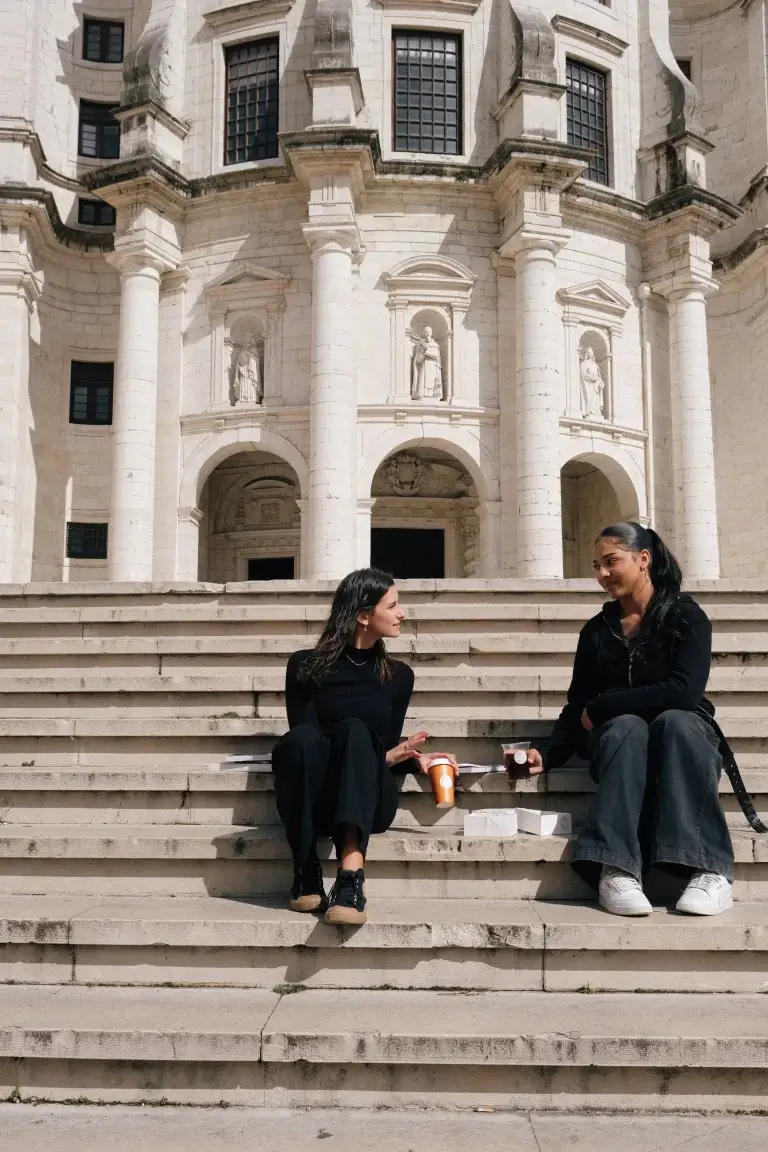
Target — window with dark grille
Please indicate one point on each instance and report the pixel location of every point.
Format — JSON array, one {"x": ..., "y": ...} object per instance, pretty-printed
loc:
[
  {"x": 90, "y": 392},
  {"x": 86, "y": 541},
  {"x": 685, "y": 68},
  {"x": 98, "y": 132},
  {"x": 587, "y": 116},
  {"x": 103, "y": 41},
  {"x": 95, "y": 212},
  {"x": 252, "y": 101},
  {"x": 427, "y": 93}
]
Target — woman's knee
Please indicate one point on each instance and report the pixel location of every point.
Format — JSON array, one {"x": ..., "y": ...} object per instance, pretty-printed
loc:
[
  {"x": 625, "y": 725},
  {"x": 352, "y": 728},
  {"x": 300, "y": 739},
  {"x": 675, "y": 721}
]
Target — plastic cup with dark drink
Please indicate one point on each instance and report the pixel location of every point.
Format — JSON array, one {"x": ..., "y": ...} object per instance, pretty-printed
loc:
[
  {"x": 442, "y": 776},
  {"x": 516, "y": 758}
]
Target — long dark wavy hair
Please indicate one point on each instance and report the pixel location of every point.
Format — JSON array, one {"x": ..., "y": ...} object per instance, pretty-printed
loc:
[
  {"x": 359, "y": 591},
  {"x": 659, "y": 630}
]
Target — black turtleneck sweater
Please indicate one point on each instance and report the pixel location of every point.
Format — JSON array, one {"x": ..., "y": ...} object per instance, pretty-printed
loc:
[{"x": 351, "y": 689}]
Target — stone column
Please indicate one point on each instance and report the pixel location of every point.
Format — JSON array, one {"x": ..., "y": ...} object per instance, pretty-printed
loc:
[
  {"x": 364, "y": 516},
  {"x": 134, "y": 430},
  {"x": 539, "y": 377},
  {"x": 693, "y": 453},
  {"x": 332, "y": 497},
  {"x": 19, "y": 291}
]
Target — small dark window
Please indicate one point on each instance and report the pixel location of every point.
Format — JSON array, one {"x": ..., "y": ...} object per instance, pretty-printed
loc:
[
  {"x": 90, "y": 392},
  {"x": 427, "y": 93},
  {"x": 95, "y": 212},
  {"x": 252, "y": 101},
  {"x": 685, "y": 68},
  {"x": 98, "y": 132},
  {"x": 587, "y": 117},
  {"x": 103, "y": 41},
  {"x": 86, "y": 541},
  {"x": 271, "y": 568}
]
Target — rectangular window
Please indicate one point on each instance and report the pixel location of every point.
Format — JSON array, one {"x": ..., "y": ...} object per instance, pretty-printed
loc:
[
  {"x": 587, "y": 116},
  {"x": 252, "y": 101},
  {"x": 95, "y": 212},
  {"x": 103, "y": 41},
  {"x": 90, "y": 392},
  {"x": 685, "y": 68},
  {"x": 98, "y": 132},
  {"x": 427, "y": 93},
  {"x": 86, "y": 541}
]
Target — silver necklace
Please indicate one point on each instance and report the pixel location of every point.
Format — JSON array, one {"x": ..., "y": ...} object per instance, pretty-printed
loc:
[{"x": 357, "y": 663}]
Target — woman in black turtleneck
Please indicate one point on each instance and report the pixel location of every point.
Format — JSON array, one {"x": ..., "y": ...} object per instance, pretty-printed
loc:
[{"x": 346, "y": 702}]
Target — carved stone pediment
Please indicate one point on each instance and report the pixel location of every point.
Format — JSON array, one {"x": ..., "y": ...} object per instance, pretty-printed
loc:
[
  {"x": 245, "y": 282},
  {"x": 438, "y": 278},
  {"x": 595, "y": 297}
]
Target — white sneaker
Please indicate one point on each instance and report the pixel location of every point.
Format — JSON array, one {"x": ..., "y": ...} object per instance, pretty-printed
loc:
[
  {"x": 707, "y": 894},
  {"x": 621, "y": 894}
]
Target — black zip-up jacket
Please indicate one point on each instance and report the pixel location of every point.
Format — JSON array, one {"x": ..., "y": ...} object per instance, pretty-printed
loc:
[{"x": 612, "y": 676}]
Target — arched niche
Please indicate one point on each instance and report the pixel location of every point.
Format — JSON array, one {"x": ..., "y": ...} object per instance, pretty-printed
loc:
[{"x": 595, "y": 491}]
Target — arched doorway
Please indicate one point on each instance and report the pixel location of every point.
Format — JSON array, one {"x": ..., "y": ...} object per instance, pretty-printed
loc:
[
  {"x": 424, "y": 520},
  {"x": 251, "y": 523},
  {"x": 589, "y": 503}
]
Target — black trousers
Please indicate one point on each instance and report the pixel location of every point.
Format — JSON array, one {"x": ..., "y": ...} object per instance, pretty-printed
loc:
[
  {"x": 657, "y": 801},
  {"x": 323, "y": 780}
]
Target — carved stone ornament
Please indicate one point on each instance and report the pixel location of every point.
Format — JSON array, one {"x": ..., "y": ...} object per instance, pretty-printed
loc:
[
  {"x": 427, "y": 367},
  {"x": 592, "y": 387},
  {"x": 246, "y": 375},
  {"x": 406, "y": 474},
  {"x": 246, "y": 308}
]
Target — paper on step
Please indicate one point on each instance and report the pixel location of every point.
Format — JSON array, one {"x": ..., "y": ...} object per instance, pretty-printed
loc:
[
  {"x": 479, "y": 769},
  {"x": 491, "y": 822},
  {"x": 540, "y": 823},
  {"x": 254, "y": 762}
]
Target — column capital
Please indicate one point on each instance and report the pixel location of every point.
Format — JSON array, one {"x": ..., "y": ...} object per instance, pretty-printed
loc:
[
  {"x": 684, "y": 285},
  {"x": 534, "y": 243},
  {"x": 332, "y": 238},
  {"x": 19, "y": 279},
  {"x": 132, "y": 259}
]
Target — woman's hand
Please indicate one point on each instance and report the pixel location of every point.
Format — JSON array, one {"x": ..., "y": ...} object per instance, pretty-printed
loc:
[
  {"x": 586, "y": 723},
  {"x": 406, "y": 749},
  {"x": 424, "y": 759},
  {"x": 535, "y": 762}
]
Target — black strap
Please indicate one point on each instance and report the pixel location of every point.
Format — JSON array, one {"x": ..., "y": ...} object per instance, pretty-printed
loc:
[{"x": 737, "y": 783}]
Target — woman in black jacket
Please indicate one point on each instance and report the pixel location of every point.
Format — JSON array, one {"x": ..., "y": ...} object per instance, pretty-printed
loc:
[
  {"x": 346, "y": 701},
  {"x": 637, "y": 711}
]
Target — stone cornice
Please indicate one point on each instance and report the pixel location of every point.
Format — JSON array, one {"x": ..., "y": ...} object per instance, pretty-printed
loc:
[
  {"x": 742, "y": 254},
  {"x": 226, "y": 13},
  {"x": 549, "y": 155},
  {"x": 459, "y": 7},
  {"x": 712, "y": 211},
  {"x": 147, "y": 175},
  {"x": 595, "y": 37},
  {"x": 41, "y": 202}
]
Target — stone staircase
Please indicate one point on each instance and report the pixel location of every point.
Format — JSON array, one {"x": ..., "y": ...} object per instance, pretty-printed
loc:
[{"x": 145, "y": 953}]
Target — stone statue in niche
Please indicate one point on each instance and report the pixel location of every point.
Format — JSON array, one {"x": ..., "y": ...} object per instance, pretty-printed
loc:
[
  {"x": 427, "y": 369},
  {"x": 247, "y": 384},
  {"x": 406, "y": 474},
  {"x": 592, "y": 387}
]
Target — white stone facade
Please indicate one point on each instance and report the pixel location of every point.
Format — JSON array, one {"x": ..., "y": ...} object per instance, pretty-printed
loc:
[{"x": 592, "y": 350}]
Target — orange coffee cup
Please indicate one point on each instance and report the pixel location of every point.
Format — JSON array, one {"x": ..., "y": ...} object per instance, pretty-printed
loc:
[{"x": 442, "y": 776}]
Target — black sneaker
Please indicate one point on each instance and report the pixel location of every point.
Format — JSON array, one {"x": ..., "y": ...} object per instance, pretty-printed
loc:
[
  {"x": 346, "y": 903},
  {"x": 308, "y": 893}
]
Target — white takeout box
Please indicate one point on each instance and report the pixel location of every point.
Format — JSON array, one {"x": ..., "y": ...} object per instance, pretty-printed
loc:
[
  {"x": 491, "y": 822},
  {"x": 543, "y": 823}
]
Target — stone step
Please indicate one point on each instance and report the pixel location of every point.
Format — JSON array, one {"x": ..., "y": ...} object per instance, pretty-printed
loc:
[
  {"x": 430, "y": 680},
  {"x": 246, "y": 797},
  {"x": 475, "y": 944},
  {"x": 249, "y": 862},
  {"x": 192, "y": 1045}
]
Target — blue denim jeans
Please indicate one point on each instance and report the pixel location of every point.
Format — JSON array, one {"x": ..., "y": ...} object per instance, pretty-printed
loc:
[{"x": 657, "y": 801}]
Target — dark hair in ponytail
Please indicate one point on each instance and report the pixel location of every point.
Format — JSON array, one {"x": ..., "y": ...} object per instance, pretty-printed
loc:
[
  {"x": 359, "y": 591},
  {"x": 659, "y": 628}
]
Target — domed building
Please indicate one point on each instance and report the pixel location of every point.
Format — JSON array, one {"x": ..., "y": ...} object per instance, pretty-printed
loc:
[{"x": 446, "y": 284}]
